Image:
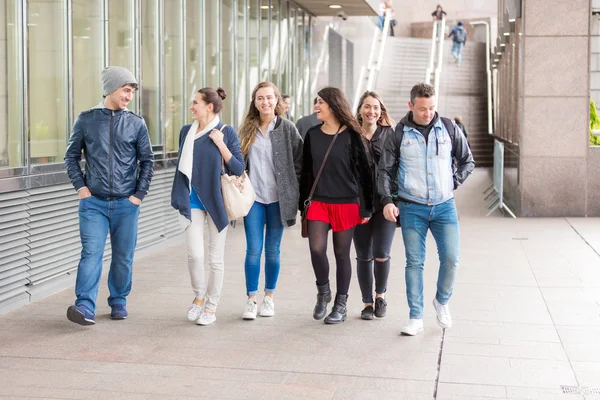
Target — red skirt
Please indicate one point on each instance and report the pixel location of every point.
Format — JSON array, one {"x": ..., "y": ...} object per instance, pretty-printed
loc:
[{"x": 340, "y": 216}]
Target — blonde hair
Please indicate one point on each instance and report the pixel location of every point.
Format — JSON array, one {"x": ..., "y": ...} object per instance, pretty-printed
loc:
[{"x": 252, "y": 120}]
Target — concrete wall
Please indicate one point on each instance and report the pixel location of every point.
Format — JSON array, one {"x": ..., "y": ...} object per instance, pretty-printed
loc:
[
  {"x": 554, "y": 115},
  {"x": 409, "y": 11}
]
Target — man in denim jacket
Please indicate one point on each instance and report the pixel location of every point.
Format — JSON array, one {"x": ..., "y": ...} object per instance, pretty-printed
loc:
[{"x": 417, "y": 171}]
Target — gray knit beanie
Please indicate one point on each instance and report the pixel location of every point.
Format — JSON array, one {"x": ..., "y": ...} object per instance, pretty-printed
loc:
[{"x": 115, "y": 77}]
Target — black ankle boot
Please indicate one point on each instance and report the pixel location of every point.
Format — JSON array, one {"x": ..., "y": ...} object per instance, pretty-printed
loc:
[
  {"x": 338, "y": 313},
  {"x": 323, "y": 298}
]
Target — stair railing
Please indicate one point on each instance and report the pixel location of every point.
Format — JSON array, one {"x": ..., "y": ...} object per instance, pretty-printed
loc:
[
  {"x": 373, "y": 64},
  {"x": 436, "y": 57}
]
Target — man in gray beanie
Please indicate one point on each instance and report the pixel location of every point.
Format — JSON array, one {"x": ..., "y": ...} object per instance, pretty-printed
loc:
[{"x": 119, "y": 168}]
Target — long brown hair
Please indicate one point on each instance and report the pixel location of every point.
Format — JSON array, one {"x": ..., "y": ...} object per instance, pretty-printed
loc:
[
  {"x": 252, "y": 120},
  {"x": 340, "y": 108},
  {"x": 384, "y": 118}
]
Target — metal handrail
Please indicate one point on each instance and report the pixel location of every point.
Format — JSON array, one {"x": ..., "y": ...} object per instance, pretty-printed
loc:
[
  {"x": 438, "y": 67},
  {"x": 488, "y": 70},
  {"x": 373, "y": 67},
  {"x": 432, "y": 55}
]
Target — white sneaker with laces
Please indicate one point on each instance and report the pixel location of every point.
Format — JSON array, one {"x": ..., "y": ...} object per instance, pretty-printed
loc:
[
  {"x": 250, "y": 310},
  {"x": 194, "y": 312},
  {"x": 267, "y": 307},
  {"x": 444, "y": 319},
  {"x": 414, "y": 327},
  {"x": 206, "y": 319}
]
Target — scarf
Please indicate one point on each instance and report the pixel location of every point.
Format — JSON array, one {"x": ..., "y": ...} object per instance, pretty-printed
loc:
[{"x": 186, "y": 159}]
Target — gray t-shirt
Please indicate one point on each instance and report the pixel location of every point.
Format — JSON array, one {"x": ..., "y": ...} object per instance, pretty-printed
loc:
[{"x": 262, "y": 171}]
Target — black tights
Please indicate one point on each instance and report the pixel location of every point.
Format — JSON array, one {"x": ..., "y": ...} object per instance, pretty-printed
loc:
[{"x": 317, "y": 240}]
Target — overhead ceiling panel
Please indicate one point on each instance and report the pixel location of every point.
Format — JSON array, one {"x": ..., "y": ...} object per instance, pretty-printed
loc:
[{"x": 349, "y": 7}]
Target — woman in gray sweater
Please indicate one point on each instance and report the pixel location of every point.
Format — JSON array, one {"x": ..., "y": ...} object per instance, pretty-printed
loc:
[{"x": 272, "y": 148}]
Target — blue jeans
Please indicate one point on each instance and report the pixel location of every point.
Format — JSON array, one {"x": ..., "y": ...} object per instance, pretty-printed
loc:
[
  {"x": 457, "y": 51},
  {"x": 254, "y": 225},
  {"x": 416, "y": 220},
  {"x": 96, "y": 218}
]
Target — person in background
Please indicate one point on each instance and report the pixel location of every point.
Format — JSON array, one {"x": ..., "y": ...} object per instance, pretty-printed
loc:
[
  {"x": 272, "y": 149},
  {"x": 343, "y": 197},
  {"x": 207, "y": 148},
  {"x": 458, "y": 120},
  {"x": 119, "y": 168},
  {"x": 459, "y": 40},
  {"x": 373, "y": 240},
  {"x": 287, "y": 104},
  {"x": 307, "y": 122},
  {"x": 439, "y": 13}
]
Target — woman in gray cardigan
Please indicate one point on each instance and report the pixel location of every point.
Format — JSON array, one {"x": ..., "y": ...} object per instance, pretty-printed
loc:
[{"x": 272, "y": 148}]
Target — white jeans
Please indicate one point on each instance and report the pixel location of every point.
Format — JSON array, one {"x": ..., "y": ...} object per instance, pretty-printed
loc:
[{"x": 210, "y": 289}]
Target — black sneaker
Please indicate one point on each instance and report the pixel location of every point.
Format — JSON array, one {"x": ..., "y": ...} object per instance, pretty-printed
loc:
[
  {"x": 367, "y": 313},
  {"x": 80, "y": 315},
  {"x": 380, "y": 307}
]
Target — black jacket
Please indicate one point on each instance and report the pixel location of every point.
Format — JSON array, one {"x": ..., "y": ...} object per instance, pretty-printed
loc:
[
  {"x": 374, "y": 150},
  {"x": 361, "y": 171},
  {"x": 114, "y": 143}
]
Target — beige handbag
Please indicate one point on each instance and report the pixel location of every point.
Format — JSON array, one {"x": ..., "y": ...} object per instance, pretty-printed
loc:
[{"x": 238, "y": 193}]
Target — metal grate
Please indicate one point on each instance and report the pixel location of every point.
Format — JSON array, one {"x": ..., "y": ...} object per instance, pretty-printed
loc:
[
  {"x": 579, "y": 390},
  {"x": 39, "y": 237}
]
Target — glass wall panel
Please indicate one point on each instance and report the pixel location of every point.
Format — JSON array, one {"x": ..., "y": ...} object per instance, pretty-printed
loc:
[
  {"x": 241, "y": 94},
  {"x": 194, "y": 51},
  {"x": 274, "y": 44},
  {"x": 265, "y": 66},
  {"x": 254, "y": 62},
  {"x": 48, "y": 125},
  {"x": 150, "y": 70},
  {"x": 11, "y": 93},
  {"x": 297, "y": 108},
  {"x": 284, "y": 45},
  {"x": 211, "y": 43},
  {"x": 88, "y": 54},
  {"x": 175, "y": 107},
  {"x": 228, "y": 66},
  {"x": 121, "y": 38}
]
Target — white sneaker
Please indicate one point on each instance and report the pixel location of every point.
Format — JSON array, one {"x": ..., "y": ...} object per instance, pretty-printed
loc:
[
  {"x": 267, "y": 307},
  {"x": 194, "y": 312},
  {"x": 414, "y": 327},
  {"x": 206, "y": 319},
  {"x": 444, "y": 319},
  {"x": 250, "y": 310}
]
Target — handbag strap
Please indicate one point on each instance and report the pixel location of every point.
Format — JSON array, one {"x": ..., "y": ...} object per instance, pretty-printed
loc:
[
  {"x": 222, "y": 159},
  {"x": 314, "y": 186}
]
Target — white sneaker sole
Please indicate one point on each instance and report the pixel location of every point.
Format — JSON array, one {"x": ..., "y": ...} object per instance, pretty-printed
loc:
[
  {"x": 267, "y": 314},
  {"x": 206, "y": 323},
  {"x": 249, "y": 317},
  {"x": 437, "y": 319},
  {"x": 411, "y": 333}
]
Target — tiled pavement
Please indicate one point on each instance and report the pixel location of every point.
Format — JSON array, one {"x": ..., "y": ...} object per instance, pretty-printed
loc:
[{"x": 526, "y": 316}]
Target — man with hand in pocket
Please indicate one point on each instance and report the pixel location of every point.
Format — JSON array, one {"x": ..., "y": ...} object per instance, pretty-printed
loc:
[
  {"x": 417, "y": 169},
  {"x": 118, "y": 171}
]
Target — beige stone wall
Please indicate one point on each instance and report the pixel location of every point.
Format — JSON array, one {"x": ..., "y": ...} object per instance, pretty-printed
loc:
[
  {"x": 410, "y": 11},
  {"x": 554, "y": 108}
]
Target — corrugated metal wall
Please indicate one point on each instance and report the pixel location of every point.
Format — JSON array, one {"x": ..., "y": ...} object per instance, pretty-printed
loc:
[{"x": 39, "y": 237}]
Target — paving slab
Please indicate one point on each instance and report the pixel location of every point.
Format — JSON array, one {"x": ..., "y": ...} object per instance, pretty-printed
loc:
[{"x": 526, "y": 311}]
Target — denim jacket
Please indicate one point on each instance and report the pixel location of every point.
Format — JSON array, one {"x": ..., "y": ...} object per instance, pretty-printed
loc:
[{"x": 422, "y": 171}]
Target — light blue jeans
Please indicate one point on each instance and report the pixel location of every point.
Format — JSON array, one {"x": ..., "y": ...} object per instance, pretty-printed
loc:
[
  {"x": 457, "y": 51},
  {"x": 262, "y": 216},
  {"x": 97, "y": 217},
  {"x": 416, "y": 220}
]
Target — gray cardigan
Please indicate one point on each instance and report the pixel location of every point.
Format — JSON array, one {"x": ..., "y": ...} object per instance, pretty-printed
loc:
[{"x": 287, "y": 159}]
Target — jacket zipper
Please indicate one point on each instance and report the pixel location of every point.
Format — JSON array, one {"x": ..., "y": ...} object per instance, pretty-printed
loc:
[{"x": 110, "y": 158}]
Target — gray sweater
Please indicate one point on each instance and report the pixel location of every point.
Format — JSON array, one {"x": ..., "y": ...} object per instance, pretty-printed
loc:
[{"x": 287, "y": 159}]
